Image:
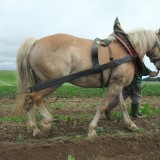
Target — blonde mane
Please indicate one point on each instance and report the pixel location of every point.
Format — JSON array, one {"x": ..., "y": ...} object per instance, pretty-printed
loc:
[{"x": 142, "y": 39}]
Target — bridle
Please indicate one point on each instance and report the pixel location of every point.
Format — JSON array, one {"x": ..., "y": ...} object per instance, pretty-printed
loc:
[{"x": 153, "y": 60}]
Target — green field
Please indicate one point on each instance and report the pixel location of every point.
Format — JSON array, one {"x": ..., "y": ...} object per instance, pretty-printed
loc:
[
  {"x": 7, "y": 78},
  {"x": 8, "y": 88}
]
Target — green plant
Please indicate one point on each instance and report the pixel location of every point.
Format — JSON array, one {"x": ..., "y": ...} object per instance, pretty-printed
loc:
[
  {"x": 120, "y": 133},
  {"x": 58, "y": 106},
  {"x": 70, "y": 157},
  {"x": 117, "y": 115},
  {"x": 156, "y": 110},
  {"x": 70, "y": 120},
  {"x": 101, "y": 131},
  {"x": 19, "y": 138},
  {"x": 146, "y": 110},
  {"x": 63, "y": 138},
  {"x": 79, "y": 137}
]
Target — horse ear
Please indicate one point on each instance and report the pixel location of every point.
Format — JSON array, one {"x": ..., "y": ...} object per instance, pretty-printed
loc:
[{"x": 117, "y": 26}]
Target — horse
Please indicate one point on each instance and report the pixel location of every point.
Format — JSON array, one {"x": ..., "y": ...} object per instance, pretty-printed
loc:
[{"x": 59, "y": 55}]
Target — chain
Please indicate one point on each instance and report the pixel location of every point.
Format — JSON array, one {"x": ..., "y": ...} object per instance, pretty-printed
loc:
[{"x": 25, "y": 91}]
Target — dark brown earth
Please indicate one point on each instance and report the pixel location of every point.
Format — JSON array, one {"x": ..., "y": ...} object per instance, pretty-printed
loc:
[{"x": 69, "y": 132}]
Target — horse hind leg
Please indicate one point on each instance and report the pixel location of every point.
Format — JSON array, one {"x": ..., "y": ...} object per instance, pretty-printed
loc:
[
  {"x": 46, "y": 122},
  {"x": 31, "y": 126},
  {"x": 37, "y": 98}
]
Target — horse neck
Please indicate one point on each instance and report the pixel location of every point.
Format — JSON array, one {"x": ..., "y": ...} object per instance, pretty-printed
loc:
[
  {"x": 143, "y": 40},
  {"x": 142, "y": 53}
]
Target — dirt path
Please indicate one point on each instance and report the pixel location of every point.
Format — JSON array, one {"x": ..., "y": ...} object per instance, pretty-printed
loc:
[
  {"x": 70, "y": 130},
  {"x": 146, "y": 147}
]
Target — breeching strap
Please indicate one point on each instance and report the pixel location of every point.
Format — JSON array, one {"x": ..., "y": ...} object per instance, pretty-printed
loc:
[{"x": 61, "y": 80}]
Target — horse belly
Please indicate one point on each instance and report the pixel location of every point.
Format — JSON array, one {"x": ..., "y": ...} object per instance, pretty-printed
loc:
[{"x": 91, "y": 81}]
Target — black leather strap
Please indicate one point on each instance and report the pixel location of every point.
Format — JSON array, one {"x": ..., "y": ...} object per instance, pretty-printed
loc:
[
  {"x": 139, "y": 64},
  {"x": 94, "y": 55},
  {"x": 61, "y": 80},
  {"x": 95, "y": 62}
]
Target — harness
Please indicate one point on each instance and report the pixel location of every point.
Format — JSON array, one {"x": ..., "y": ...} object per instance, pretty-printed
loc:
[
  {"x": 94, "y": 55},
  {"x": 122, "y": 38},
  {"x": 151, "y": 50}
]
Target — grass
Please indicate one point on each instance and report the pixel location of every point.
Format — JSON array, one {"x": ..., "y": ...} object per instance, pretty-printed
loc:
[
  {"x": 13, "y": 119},
  {"x": 8, "y": 77},
  {"x": 146, "y": 110},
  {"x": 70, "y": 91},
  {"x": 67, "y": 90},
  {"x": 151, "y": 88},
  {"x": 8, "y": 91}
]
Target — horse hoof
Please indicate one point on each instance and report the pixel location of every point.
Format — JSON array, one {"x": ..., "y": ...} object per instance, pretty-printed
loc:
[
  {"x": 108, "y": 115},
  {"x": 37, "y": 133},
  {"x": 93, "y": 135},
  {"x": 133, "y": 128},
  {"x": 45, "y": 129}
]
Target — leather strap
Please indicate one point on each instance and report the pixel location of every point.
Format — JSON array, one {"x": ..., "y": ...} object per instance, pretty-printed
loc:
[
  {"x": 61, "y": 80},
  {"x": 94, "y": 54},
  {"x": 139, "y": 64},
  {"x": 95, "y": 61}
]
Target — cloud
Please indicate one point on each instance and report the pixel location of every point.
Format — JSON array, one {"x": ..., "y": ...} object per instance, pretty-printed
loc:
[
  {"x": 83, "y": 18},
  {"x": 7, "y": 65}
]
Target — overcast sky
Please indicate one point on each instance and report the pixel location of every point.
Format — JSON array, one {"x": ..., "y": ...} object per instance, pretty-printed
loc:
[{"x": 21, "y": 19}]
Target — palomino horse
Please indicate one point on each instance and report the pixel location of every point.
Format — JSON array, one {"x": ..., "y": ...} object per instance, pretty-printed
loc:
[{"x": 60, "y": 55}]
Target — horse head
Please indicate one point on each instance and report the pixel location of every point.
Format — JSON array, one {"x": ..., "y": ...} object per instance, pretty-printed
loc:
[{"x": 154, "y": 52}]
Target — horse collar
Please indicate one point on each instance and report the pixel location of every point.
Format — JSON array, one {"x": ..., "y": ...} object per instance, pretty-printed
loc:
[{"x": 123, "y": 39}]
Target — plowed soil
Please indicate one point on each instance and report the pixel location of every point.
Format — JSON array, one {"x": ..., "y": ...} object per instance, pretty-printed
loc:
[{"x": 69, "y": 133}]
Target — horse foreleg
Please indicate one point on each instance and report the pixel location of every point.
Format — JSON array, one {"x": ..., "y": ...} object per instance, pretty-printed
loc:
[
  {"x": 110, "y": 107},
  {"x": 115, "y": 103},
  {"x": 112, "y": 92},
  {"x": 93, "y": 125},
  {"x": 127, "y": 121}
]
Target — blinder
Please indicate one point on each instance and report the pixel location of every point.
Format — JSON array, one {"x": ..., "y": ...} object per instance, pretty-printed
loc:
[
  {"x": 153, "y": 60},
  {"x": 152, "y": 49}
]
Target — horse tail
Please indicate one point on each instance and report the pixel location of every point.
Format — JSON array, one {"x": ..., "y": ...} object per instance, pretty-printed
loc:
[{"x": 24, "y": 73}]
